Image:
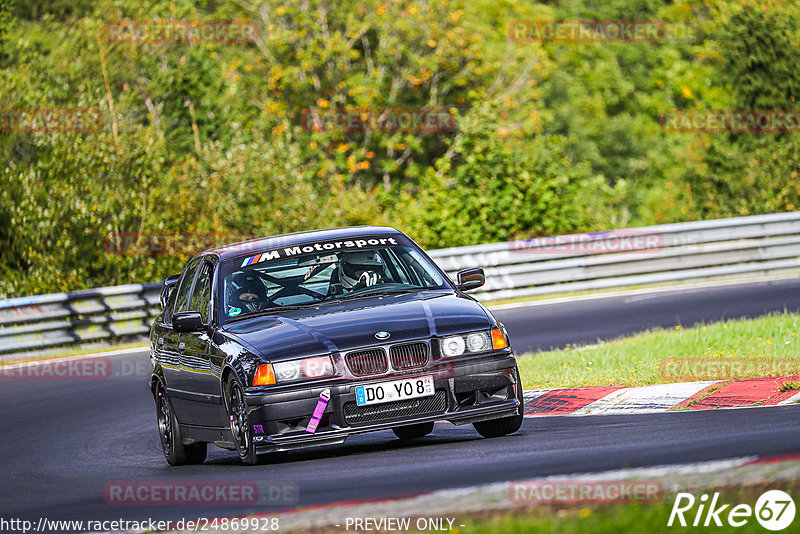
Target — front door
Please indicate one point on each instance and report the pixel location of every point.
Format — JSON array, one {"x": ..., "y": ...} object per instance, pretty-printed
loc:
[
  {"x": 174, "y": 345},
  {"x": 201, "y": 371}
]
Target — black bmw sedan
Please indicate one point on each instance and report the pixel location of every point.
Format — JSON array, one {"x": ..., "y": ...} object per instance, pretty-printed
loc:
[{"x": 305, "y": 339}]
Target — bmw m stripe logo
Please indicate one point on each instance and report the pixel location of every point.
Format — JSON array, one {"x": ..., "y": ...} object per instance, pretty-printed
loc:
[{"x": 382, "y": 335}]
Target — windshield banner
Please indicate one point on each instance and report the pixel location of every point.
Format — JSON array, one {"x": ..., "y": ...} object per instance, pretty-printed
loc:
[{"x": 323, "y": 246}]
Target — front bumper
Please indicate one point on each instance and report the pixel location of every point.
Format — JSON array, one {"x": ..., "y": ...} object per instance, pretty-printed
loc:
[{"x": 467, "y": 391}]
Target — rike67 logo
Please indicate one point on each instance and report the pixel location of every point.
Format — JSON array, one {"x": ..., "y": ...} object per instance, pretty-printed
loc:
[{"x": 774, "y": 510}]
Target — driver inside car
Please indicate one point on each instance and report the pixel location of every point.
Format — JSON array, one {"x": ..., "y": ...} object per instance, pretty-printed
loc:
[
  {"x": 248, "y": 293},
  {"x": 358, "y": 270}
]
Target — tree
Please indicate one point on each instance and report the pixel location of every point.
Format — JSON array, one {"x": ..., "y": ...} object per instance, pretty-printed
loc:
[{"x": 754, "y": 172}]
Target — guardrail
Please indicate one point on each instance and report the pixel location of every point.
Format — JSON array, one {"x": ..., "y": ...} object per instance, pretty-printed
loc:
[
  {"x": 31, "y": 323},
  {"x": 694, "y": 251}
]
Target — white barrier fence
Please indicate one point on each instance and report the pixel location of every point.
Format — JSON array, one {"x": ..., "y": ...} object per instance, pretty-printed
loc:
[
  {"x": 694, "y": 251},
  {"x": 32, "y": 323}
]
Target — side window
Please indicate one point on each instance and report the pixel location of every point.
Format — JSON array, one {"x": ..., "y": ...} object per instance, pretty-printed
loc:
[
  {"x": 170, "y": 305},
  {"x": 396, "y": 268},
  {"x": 182, "y": 301},
  {"x": 201, "y": 298},
  {"x": 423, "y": 269}
]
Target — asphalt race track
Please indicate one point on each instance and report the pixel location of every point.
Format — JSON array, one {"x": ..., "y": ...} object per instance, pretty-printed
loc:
[{"x": 64, "y": 441}]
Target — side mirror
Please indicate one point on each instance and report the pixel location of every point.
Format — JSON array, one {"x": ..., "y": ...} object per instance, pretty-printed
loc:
[
  {"x": 469, "y": 279},
  {"x": 188, "y": 321},
  {"x": 166, "y": 289}
]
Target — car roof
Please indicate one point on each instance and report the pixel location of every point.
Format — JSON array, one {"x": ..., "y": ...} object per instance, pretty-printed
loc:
[{"x": 263, "y": 243}]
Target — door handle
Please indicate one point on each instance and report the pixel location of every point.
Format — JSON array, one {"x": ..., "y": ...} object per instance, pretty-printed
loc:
[{"x": 181, "y": 345}]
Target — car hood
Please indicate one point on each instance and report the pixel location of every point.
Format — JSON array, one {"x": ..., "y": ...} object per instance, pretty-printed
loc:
[{"x": 351, "y": 324}]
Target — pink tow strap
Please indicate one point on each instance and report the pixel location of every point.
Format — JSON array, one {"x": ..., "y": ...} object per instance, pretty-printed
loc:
[{"x": 322, "y": 403}]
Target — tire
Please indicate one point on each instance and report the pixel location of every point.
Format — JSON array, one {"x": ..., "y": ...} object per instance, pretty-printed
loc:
[
  {"x": 241, "y": 430},
  {"x": 506, "y": 425},
  {"x": 169, "y": 432},
  {"x": 413, "y": 431}
]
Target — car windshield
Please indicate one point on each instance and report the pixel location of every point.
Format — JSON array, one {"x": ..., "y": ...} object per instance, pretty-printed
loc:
[{"x": 286, "y": 278}]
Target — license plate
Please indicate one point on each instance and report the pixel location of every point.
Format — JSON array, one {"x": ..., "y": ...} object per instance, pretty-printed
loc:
[{"x": 409, "y": 388}]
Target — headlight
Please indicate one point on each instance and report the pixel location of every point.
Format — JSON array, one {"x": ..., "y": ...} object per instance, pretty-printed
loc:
[
  {"x": 303, "y": 369},
  {"x": 469, "y": 343},
  {"x": 477, "y": 342},
  {"x": 287, "y": 371},
  {"x": 453, "y": 346}
]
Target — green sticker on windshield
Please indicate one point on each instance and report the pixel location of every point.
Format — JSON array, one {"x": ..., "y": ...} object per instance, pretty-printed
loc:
[{"x": 233, "y": 312}]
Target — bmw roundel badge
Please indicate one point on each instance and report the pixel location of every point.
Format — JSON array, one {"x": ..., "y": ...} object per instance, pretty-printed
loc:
[{"x": 382, "y": 335}]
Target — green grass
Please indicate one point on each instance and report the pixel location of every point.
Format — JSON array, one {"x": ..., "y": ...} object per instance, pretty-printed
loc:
[
  {"x": 616, "y": 518},
  {"x": 694, "y": 401},
  {"x": 619, "y": 518},
  {"x": 790, "y": 385},
  {"x": 767, "y": 346}
]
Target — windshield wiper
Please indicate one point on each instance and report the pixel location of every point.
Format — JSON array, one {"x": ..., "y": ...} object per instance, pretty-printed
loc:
[
  {"x": 292, "y": 308},
  {"x": 379, "y": 293},
  {"x": 281, "y": 309}
]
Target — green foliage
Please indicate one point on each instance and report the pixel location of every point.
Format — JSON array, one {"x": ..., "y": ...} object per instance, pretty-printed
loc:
[
  {"x": 209, "y": 138},
  {"x": 40, "y": 9},
  {"x": 490, "y": 188},
  {"x": 5, "y": 26},
  {"x": 747, "y": 173},
  {"x": 760, "y": 50}
]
